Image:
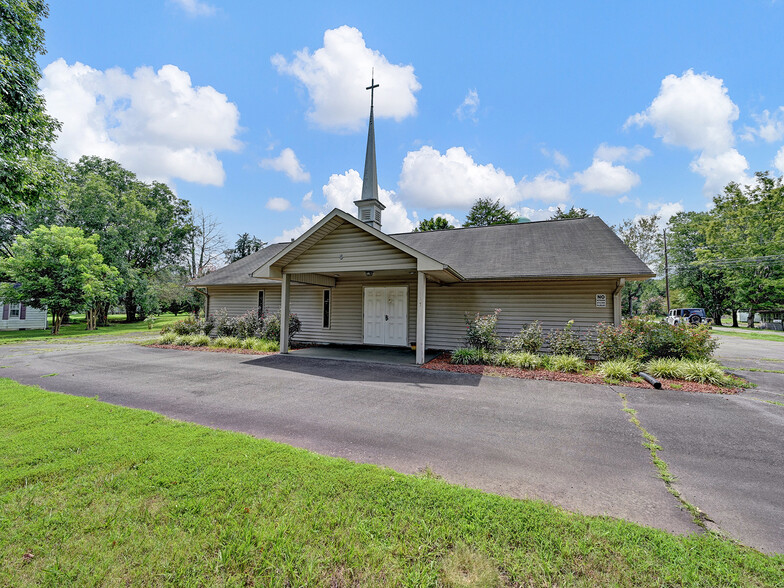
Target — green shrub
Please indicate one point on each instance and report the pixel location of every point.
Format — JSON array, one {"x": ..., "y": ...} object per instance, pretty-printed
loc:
[
  {"x": 646, "y": 338},
  {"x": 566, "y": 342},
  {"x": 480, "y": 331},
  {"x": 530, "y": 339},
  {"x": 227, "y": 342},
  {"x": 619, "y": 370},
  {"x": 665, "y": 367},
  {"x": 187, "y": 326},
  {"x": 271, "y": 328},
  {"x": 471, "y": 356},
  {"x": 567, "y": 363},
  {"x": 703, "y": 371},
  {"x": 167, "y": 338}
]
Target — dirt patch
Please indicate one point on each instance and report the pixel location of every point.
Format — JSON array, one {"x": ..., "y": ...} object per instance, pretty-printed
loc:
[
  {"x": 213, "y": 349},
  {"x": 442, "y": 363}
]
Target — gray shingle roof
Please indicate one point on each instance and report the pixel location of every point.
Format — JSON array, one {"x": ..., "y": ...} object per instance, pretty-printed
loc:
[
  {"x": 547, "y": 249},
  {"x": 238, "y": 273},
  {"x": 562, "y": 248}
]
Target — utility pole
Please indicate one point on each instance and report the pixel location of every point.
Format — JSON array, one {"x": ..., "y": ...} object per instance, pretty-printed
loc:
[{"x": 666, "y": 272}]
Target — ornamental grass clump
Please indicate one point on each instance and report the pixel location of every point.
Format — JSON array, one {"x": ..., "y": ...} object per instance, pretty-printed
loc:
[
  {"x": 199, "y": 341},
  {"x": 619, "y": 370},
  {"x": 665, "y": 367},
  {"x": 183, "y": 340},
  {"x": 470, "y": 356},
  {"x": 527, "y": 361},
  {"x": 703, "y": 371},
  {"x": 567, "y": 363},
  {"x": 266, "y": 346},
  {"x": 227, "y": 342},
  {"x": 167, "y": 338}
]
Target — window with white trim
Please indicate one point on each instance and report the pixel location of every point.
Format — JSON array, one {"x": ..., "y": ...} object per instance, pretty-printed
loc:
[
  {"x": 15, "y": 308},
  {"x": 326, "y": 309}
]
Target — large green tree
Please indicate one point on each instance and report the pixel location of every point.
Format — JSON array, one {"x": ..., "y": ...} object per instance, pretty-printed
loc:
[
  {"x": 244, "y": 246},
  {"x": 437, "y": 223},
  {"x": 571, "y": 213},
  {"x": 745, "y": 240},
  {"x": 60, "y": 269},
  {"x": 26, "y": 130},
  {"x": 486, "y": 212}
]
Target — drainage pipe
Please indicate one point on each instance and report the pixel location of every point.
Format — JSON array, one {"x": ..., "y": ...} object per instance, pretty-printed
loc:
[{"x": 650, "y": 379}]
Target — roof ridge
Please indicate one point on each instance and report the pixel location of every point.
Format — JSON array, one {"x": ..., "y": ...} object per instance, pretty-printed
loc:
[{"x": 549, "y": 220}]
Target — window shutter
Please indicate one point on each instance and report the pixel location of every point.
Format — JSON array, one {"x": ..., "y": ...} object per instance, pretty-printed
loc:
[
  {"x": 6, "y": 310},
  {"x": 22, "y": 312}
]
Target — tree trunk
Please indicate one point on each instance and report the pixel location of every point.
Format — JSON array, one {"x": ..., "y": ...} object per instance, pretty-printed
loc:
[
  {"x": 717, "y": 318},
  {"x": 750, "y": 319},
  {"x": 57, "y": 320},
  {"x": 102, "y": 311},
  {"x": 735, "y": 318},
  {"x": 130, "y": 307}
]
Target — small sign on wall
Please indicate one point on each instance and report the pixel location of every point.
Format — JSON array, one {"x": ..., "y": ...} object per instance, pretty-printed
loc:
[{"x": 601, "y": 300}]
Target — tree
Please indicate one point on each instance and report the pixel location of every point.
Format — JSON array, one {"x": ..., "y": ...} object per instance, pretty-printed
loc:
[
  {"x": 642, "y": 236},
  {"x": 745, "y": 239},
  {"x": 485, "y": 212},
  {"x": 142, "y": 227},
  {"x": 571, "y": 213},
  {"x": 437, "y": 223},
  {"x": 704, "y": 286},
  {"x": 27, "y": 131},
  {"x": 58, "y": 268},
  {"x": 244, "y": 246},
  {"x": 205, "y": 244}
]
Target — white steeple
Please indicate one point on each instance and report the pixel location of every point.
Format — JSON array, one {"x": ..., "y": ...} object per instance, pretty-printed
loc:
[{"x": 369, "y": 207}]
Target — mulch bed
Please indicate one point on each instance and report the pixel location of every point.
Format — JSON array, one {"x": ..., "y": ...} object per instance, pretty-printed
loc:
[
  {"x": 213, "y": 349},
  {"x": 442, "y": 363}
]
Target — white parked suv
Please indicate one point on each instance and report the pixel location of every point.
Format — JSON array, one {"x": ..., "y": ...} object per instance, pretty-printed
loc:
[{"x": 693, "y": 316}]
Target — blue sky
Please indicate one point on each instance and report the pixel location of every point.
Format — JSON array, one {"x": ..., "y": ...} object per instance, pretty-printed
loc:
[{"x": 257, "y": 112}]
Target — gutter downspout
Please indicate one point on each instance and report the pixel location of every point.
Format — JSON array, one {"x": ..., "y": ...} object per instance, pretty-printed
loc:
[
  {"x": 617, "y": 302},
  {"x": 207, "y": 300}
]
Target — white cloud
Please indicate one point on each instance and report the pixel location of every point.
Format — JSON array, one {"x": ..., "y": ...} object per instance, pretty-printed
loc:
[
  {"x": 602, "y": 177},
  {"x": 720, "y": 169},
  {"x": 619, "y": 153},
  {"x": 340, "y": 192},
  {"x": 558, "y": 158},
  {"x": 665, "y": 211},
  {"x": 778, "y": 162},
  {"x": 625, "y": 200},
  {"x": 155, "y": 123},
  {"x": 693, "y": 111},
  {"x": 278, "y": 204},
  {"x": 287, "y": 163},
  {"x": 770, "y": 126},
  {"x": 469, "y": 106},
  {"x": 537, "y": 214},
  {"x": 547, "y": 186},
  {"x": 452, "y": 220},
  {"x": 195, "y": 7},
  {"x": 307, "y": 202},
  {"x": 336, "y": 75},
  {"x": 696, "y": 112},
  {"x": 430, "y": 179}
]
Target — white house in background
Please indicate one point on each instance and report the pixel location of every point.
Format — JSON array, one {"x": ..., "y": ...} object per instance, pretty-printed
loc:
[
  {"x": 20, "y": 317},
  {"x": 349, "y": 283}
]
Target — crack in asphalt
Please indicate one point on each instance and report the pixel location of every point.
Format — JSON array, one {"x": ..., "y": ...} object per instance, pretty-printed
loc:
[{"x": 650, "y": 442}]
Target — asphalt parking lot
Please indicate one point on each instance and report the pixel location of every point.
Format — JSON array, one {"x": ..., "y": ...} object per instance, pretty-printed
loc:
[{"x": 569, "y": 444}]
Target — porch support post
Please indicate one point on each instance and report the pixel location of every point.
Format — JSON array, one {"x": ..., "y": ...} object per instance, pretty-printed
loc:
[
  {"x": 285, "y": 295},
  {"x": 420, "y": 319},
  {"x": 617, "y": 302}
]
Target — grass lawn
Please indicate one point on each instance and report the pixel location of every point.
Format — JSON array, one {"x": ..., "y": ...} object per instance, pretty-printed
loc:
[
  {"x": 117, "y": 326},
  {"x": 746, "y": 333},
  {"x": 95, "y": 494}
]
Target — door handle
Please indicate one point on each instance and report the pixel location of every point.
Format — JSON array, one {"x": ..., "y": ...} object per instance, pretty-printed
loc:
[{"x": 386, "y": 317}]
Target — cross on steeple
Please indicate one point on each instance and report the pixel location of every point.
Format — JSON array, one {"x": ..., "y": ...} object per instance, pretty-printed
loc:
[{"x": 372, "y": 86}]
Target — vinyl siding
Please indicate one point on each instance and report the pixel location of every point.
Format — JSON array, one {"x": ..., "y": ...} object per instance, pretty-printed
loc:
[
  {"x": 35, "y": 318},
  {"x": 553, "y": 303},
  {"x": 360, "y": 251}
]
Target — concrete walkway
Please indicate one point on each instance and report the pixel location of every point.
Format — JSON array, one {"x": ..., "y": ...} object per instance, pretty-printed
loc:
[
  {"x": 569, "y": 444},
  {"x": 390, "y": 355}
]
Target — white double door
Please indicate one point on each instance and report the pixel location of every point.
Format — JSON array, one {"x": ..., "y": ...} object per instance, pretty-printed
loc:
[{"x": 386, "y": 316}]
